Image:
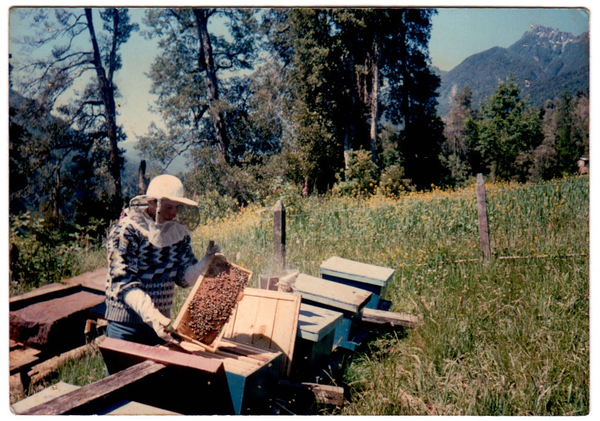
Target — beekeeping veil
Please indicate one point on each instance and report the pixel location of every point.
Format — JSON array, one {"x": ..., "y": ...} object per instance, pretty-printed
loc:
[{"x": 169, "y": 232}]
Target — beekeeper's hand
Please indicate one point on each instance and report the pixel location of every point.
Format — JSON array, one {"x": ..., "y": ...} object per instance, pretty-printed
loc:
[
  {"x": 142, "y": 304},
  {"x": 213, "y": 251}
]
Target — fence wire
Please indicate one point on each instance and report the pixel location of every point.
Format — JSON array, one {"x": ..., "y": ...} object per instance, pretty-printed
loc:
[{"x": 523, "y": 231}]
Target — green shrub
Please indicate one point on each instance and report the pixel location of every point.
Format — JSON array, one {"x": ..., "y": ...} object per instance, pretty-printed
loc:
[
  {"x": 41, "y": 255},
  {"x": 360, "y": 178}
]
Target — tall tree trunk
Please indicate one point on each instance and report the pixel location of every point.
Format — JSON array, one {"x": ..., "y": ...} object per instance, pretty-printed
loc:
[
  {"x": 206, "y": 54},
  {"x": 374, "y": 99},
  {"x": 108, "y": 98}
]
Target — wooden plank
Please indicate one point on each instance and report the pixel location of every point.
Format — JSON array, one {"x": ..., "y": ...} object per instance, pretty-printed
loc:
[
  {"x": 119, "y": 351},
  {"x": 61, "y": 388},
  {"x": 285, "y": 331},
  {"x": 266, "y": 319},
  {"x": 389, "y": 317},
  {"x": 324, "y": 394},
  {"x": 43, "y": 293},
  {"x": 264, "y": 325},
  {"x": 23, "y": 359},
  {"x": 204, "y": 376},
  {"x": 53, "y": 320},
  {"x": 67, "y": 402},
  {"x": 279, "y": 232},
  {"x": 331, "y": 293},
  {"x": 241, "y": 323},
  {"x": 356, "y": 271}
]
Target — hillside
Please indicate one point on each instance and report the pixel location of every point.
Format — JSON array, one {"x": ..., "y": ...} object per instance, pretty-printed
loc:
[{"x": 545, "y": 62}]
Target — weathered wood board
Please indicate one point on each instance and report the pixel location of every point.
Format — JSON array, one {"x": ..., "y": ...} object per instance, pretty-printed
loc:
[
  {"x": 267, "y": 320},
  {"x": 190, "y": 384},
  {"x": 83, "y": 401},
  {"x": 366, "y": 276},
  {"x": 211, "y": 302},
  {"x": 53, "y": 318},
  {"x": 119, "y": 407}
]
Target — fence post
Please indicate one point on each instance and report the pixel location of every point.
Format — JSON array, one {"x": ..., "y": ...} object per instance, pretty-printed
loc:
[
  {"x": 279, "y": 234},
  {"x": 484, "y": 239}
]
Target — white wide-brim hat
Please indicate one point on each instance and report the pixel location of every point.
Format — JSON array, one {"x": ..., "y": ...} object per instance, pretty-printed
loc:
[{"x": 164, "y": 187}]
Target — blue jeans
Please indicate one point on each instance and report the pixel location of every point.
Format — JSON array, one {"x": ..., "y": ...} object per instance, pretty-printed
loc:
[{"x": 140, "y": 333}]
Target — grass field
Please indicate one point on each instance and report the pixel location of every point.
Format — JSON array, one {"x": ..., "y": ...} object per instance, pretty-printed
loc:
[{"x": 508, "y": 337}]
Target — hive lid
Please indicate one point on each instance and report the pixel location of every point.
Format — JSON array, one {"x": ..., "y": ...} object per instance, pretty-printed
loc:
[
  {"x": 315, "y": 322},
  {"x": 330, "y": 293},
  {"x": 356, "y": 271}
]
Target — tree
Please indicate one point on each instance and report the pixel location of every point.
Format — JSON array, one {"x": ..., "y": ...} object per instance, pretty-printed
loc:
[
  {"x": 508, "y": 132},
  {"x": 456, "y": 148},
  {"x": 348, "y": 71},
  {"x": 317, "y": 91},
  {"x": 188, "y": 77},
  {"x": 566, "y": 137},
  {"x": 77, "y": 51},
  {"x": 412, "y": 95}
]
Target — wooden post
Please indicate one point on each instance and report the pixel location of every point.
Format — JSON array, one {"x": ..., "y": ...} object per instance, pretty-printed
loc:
[
  {"x": 484, "y": 239},
  {"x": 279, "y": 234},
  {"x": 142, "y": 179}
]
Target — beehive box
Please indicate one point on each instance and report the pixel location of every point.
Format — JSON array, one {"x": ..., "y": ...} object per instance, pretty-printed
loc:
[
  {"x": 252, "y": 344},
  {"x": 252, "y": 374},
  {"x": 369, "y": 277},
  {"x": 211, "y": 302},
  {"x": 315, "y": 338},
  {"x": 337, "y": 297}
]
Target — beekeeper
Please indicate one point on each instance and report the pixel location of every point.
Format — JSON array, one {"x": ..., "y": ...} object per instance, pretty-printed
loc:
[{"x": 149, "y": 251}]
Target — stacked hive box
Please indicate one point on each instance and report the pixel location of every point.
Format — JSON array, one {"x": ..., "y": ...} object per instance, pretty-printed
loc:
[
  {"x": 347, "y": 300},
  {"x": 365, "y": 276}
]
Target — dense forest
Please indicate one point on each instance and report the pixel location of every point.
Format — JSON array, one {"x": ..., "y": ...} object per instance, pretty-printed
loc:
[{"x": 315, "y": 100}]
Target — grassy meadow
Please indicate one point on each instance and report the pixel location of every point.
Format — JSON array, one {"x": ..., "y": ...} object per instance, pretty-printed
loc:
[{"x": 508, "y": 337}]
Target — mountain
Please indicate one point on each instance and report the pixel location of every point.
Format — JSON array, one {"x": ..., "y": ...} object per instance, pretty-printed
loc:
[{"x": 545, "y": 63}]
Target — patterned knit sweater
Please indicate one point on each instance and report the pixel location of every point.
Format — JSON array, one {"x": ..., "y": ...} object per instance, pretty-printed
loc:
[{"x": 136, "y": 259}]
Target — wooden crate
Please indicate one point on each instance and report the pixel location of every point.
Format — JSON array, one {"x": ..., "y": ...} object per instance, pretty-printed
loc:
[
  {"x": 369, "y": 277},
  {"x": 210, "y": 303},
  {"x": 267, "y": 320},
  {"x": 337, "y": 297}
]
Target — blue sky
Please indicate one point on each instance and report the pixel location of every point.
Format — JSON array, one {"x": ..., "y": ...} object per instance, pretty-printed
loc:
[{"x": 458, "y": 33}]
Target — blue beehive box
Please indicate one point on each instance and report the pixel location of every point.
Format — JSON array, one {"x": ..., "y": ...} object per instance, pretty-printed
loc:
[
  {"x": 336, "y": 297},
  {"x": 359, "y": 275},
  {"x": 315, "y": 338}
]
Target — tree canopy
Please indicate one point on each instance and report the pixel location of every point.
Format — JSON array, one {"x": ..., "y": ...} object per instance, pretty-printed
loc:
[{"x": 256, "y": 99}]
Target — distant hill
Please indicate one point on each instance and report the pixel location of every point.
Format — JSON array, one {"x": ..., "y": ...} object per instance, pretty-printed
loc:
[{"x": 545, "y": 62}]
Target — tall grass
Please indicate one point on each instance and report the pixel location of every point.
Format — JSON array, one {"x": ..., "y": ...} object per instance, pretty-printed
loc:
[{"x": 510, "y": 337}]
